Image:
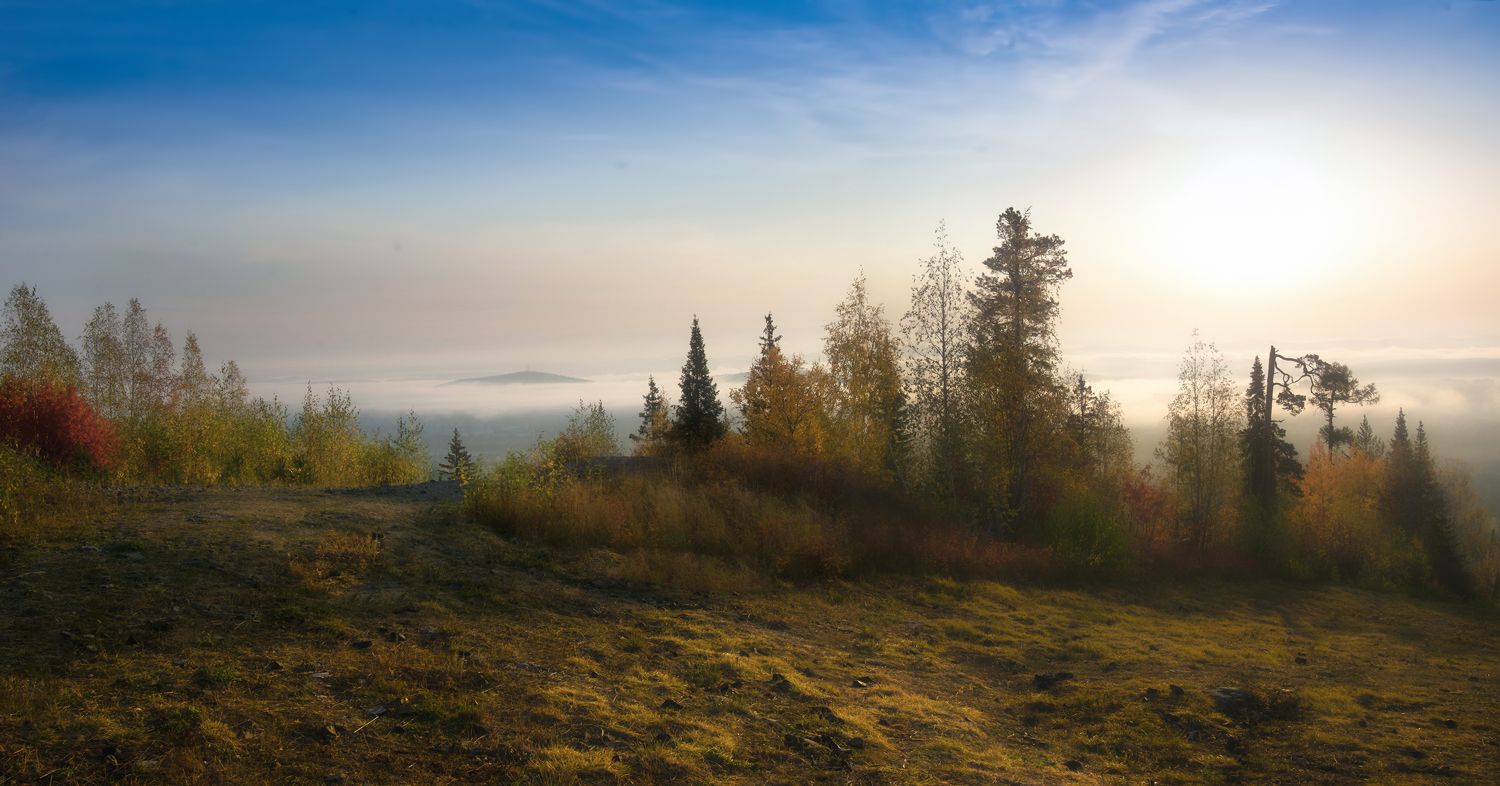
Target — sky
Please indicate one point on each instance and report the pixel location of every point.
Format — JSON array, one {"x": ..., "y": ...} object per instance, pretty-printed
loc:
[{"x": 387, "y": 195}]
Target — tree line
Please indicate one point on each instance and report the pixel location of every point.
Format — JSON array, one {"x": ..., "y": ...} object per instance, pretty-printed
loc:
[
  {"x": 966, "y": 402},
  {"x": 127, "y": 407}
]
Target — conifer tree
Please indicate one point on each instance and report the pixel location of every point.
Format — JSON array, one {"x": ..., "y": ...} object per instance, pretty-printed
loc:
[
  {"x": 1253, "y": 442},
  {"x": 1016, "y": 397},
  {"x": 651, "y": 435},
  {"x": 699, "y": 419},
  {"x": 458, "y": 464},
  {"x": 769, "y": 340}
]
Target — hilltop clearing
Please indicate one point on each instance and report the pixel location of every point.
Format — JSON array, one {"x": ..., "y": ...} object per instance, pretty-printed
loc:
[{"x": 295, "y": 635}]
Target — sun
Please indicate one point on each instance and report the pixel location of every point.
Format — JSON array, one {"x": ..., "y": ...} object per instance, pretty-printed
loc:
[{"x": 1252, "y": 219}]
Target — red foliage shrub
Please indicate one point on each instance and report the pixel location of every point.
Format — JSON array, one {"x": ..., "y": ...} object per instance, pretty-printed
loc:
[{"x": 53, "y": 423}]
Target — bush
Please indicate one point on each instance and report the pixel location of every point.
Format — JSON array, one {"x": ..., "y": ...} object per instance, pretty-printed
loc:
[
  {"x": 53, "y": 423},
  {"x": 1086, "y": 537}
]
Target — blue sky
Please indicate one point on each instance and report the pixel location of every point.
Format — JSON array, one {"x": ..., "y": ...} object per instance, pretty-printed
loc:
[{"x": 418, "y": 191}]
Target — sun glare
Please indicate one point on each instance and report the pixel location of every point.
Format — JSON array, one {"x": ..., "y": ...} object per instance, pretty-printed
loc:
[{"x": 1251, "y": 219}]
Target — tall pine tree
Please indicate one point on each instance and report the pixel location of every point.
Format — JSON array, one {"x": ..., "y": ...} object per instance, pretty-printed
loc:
[
  {"x": 458, "y": 464},
  {"x": 699, "y": 419},
  {"x": 1258, "y": 484}
]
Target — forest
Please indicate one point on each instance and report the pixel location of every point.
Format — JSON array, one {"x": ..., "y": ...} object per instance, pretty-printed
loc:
[{"x": 951, "y": 440}]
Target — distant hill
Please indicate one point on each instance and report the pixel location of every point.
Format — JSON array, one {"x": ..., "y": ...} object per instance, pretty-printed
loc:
[{"x": 519, "y": 378}]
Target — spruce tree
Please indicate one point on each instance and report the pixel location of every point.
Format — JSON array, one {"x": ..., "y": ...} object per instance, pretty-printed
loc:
[
  {"x": 769, "y": 340},
  {"x": 654, "y": 423},
  {"x": 458, "y": 464},
  {"x": 699, "y": 419},
  {"x": 1253, "y": 441}
]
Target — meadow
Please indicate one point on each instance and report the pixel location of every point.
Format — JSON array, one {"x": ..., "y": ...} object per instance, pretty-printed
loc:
[{"x": 172, "y": 634}]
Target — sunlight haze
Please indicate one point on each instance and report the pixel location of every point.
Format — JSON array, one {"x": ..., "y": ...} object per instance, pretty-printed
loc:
[{"x": 391, "y": 197}]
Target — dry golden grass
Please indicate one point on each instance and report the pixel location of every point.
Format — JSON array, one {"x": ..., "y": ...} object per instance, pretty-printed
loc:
[{"x": 298, "y": 635}]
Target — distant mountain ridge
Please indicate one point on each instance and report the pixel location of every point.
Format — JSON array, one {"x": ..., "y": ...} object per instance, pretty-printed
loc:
[{"x": 519, "y": 378}]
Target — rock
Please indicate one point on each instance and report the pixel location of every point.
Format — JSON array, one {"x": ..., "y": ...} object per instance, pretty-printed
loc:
[
  {"x": 275, "y": 665},
  {"x": 375, "y": 712},
  {"x": 1113, "y": 665},
  {"x": 1300, "y": 661},
  {"x": 1153, "y": 694},
  {"x": 858, "y": 743},
  {"x": 1363, "y": 723},
  {"x": 179, "y": 663},
  {"x": 161, "y": 626},
  {"x": 363, "y": 644},
  {"x": 663, "y": 738},
  {"x": 395, "y": 637},
  {"x": 133, "y": 556},
  {"x": 795, "y": 741},
  {"x": 1073, "y": 765},
  {"x": 1176, "y": 690},
  {"x": 826, "y": 713},
  {"x": 1229, "y": 699},
  {"x": 1045, "y": 681},
  {"x": 1450, "y": 723},
  {"x": 670, "y": 705}
]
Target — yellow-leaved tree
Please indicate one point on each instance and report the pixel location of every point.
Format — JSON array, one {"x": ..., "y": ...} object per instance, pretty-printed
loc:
[
  {"x": 781, "y": 403},
  {"x": 866, "y": 401}
]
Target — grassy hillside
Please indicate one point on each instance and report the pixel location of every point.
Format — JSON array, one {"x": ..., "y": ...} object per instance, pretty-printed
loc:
[{"x": 373, "y": 636}]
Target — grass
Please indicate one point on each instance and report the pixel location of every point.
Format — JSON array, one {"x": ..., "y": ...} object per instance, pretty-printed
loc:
[{"x": 293, "y": 635}]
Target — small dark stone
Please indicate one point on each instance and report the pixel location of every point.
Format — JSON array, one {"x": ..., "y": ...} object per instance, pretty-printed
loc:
[
  {"x": 794, "y": 741},
  {"x": 1363, "y": 723},
  {"x": 1045, "y": 681},
  {"x": 1450, "y": 723},
  {"x": 670, "y": 705},
  {"x": 1301, "y": 661},
  {"x": 1176, "y": 690},
  {"x": 161, "y": 626},
  {"x": 664, "y": 737},
  {"x": 1113, "y": 665},
  {"x": 363, "y": 644},
  {"x": 1154, "y": 648},
  {"x": 275, "y": 665},
  {"x": 395, "y": 636},
  {"x": 1153, "y": 693},
  {"x": 858, "y": 743},
  {"x": 1073, "y": 765},
  {"x": 1473, "y": 679}
]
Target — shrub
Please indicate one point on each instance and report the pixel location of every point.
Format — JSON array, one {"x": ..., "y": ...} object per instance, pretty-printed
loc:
[{"x": 53, "y": 423}]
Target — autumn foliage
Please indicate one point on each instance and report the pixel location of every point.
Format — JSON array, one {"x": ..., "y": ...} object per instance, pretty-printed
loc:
[{"x": 52, "y": 422}]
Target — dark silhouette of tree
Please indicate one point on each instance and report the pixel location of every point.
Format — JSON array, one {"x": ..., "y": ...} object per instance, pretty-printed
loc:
[
  {"x": 1016, "y": 398},
  {"x": 1333, "y": 384},
  {"x": 699, "y": 418},
  {"x": 1413, "y": 500},
  {"x": 458, "y": 464},
  {"x": 1262, "y": 475},
  {"x": 769, "y": 339}
]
